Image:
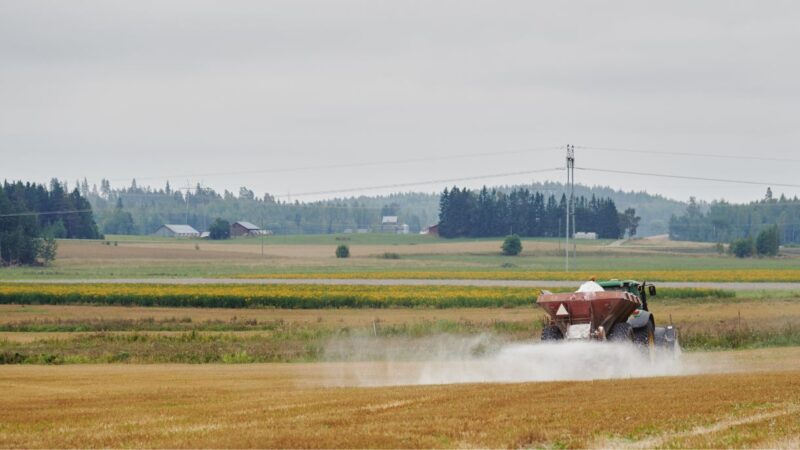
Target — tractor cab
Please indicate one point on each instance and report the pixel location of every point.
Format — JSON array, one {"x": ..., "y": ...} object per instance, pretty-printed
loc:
[{"x": 641, "y": 290}]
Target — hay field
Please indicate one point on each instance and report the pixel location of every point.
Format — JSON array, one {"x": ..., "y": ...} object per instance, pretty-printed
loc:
[
  {"x": 293, "y": 405},
  {"x": 347, "y": 317},
  {"x": 187, "y": 249},
  {"x": 393, "y": 256}
]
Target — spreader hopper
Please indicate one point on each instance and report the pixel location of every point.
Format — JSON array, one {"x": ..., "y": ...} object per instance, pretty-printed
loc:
[{"x": 588, "y": 315}]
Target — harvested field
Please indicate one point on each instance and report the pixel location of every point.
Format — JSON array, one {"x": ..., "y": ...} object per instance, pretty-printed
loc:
[
  {"x": 412, "y": 257},
  {"x": 186, "y": 249},
  {"x": 279, "y": 405},
  {"x": 346, "y": 317}
]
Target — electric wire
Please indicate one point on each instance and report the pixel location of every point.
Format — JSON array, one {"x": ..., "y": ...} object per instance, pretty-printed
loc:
[
  {"x": 349, "y": 165},
  {"x": 420, "y": 183},
  {"x": 688, "y": 177},
  {"x": 346, "y": 190},
  {"x": 691, "y": 154},
  {"x": 46, "y": 213}
]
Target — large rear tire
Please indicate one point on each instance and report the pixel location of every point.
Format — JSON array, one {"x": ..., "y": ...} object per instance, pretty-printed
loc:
[
  {"x": 552, "y": 333},
  {"x": 621, "y": 332},
  {"x": 645, "y": 339}
]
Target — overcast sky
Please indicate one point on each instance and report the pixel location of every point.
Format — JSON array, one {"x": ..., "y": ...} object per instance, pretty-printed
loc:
[{"x": 228, "y": 93}]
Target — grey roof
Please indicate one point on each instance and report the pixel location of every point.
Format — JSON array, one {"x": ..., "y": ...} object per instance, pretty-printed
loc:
[
  {"x": 248, "y": 225},
  {"x": 181, "y": 229}
]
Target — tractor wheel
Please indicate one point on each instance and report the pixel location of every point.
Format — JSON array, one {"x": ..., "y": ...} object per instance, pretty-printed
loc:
[
  {"x": 552, "y": 333},
  {"x": 645, "y": 339},
  {"x": 621, "y": 332}
]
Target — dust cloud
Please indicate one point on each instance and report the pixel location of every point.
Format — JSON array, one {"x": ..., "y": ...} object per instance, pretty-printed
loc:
[{"x": 448, "y": 359}]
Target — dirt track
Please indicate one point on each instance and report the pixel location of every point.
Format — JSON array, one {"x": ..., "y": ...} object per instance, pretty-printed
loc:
[{"x": 410, "y": 282}]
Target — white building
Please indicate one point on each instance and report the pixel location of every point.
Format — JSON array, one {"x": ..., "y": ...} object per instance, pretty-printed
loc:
[
  {"x": 243, "y": 228},
  {"x": 172, "y": 230},
  {"x": 389, "y": 224},
  {"x": 591, "y": 235}
]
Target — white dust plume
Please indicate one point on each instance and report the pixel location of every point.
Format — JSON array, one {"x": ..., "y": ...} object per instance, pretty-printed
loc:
[{"x": 447, "y": 359}]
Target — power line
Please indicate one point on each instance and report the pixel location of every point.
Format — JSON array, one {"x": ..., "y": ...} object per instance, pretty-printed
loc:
[
  {"x": 687, "y": 177},
  {"x": 349, "y": 165},
  {"x": 692, "y": 154},
  {"x": 735, "y": 225},
  {"x": 420, "y": 183},
  {"x": 46, "y": 213},
  {"x": 392, "y": 186}
]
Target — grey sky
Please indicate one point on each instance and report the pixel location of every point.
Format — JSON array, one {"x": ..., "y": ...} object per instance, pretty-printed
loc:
[{"x": 152, "y": 88}]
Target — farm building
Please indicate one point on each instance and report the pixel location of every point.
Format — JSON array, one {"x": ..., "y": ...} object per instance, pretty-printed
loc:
[
  {"x": 591, "y": 235},
  {"x": 172, "y": 230},
  {"x": 432, "y": 230},
  {"x": 389, "y": 221},
  {"x": 243, "y": 228},
  {"x": 389, "y": 224}
]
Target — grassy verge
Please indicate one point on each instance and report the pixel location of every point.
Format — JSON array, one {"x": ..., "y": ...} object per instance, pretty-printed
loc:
[
  {"x": 733, "y": 336},
  {"x": 280, "y": 341},
  {"x": 277, "y": 342}
]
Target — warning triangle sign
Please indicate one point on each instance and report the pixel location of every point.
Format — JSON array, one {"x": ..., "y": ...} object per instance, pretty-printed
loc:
[{"x": 562, "y": 311}]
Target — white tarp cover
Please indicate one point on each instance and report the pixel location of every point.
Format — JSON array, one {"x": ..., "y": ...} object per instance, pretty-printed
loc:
[{"x": 590, "y": 286}]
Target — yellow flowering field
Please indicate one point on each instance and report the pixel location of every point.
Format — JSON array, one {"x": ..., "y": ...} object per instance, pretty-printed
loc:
[
  {"x": 730, "y": 275},
  {"x": 304, "y": 296}
]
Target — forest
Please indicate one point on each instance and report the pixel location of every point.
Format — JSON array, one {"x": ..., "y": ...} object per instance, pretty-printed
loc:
[
  {"x": 32, "y": 216},
  {"x": 465, "y": 213},
  {"x": 138, "y": 209},
  {"x": 725, "y": 222},
  {"x": 142, "y": 210}
]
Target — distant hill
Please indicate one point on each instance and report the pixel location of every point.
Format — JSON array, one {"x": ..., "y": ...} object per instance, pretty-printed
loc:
[{"x": 655, "y": 210}]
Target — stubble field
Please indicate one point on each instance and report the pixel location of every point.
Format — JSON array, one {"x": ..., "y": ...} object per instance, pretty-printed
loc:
[{"x": 294, "y": 405}]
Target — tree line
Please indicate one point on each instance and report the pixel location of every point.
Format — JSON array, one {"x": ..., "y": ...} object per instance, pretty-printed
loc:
[
  {"x": 724, "y": 222},
  {"x": 137, "y": 209},
  {"x": 488, "y": 213},
  {"x": 143, "y": 209},
  {"x": 33, "y": 216}
]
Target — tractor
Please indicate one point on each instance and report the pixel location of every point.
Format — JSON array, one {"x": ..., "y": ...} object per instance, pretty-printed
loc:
[{"x": 613, "y": 311}]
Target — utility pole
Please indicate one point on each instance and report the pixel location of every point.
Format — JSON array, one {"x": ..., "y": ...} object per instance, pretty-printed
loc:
[
  {"x": 263, "y": 229},
  {"x": 188, "y": 189},
  {"x": 572, "y": 202},
  {"x": 559, "y": 228},
  {"x": 571, "y": 185}
]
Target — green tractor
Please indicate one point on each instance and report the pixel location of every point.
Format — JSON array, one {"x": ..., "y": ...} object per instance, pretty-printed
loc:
[{"x": 613, "y": 310}]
